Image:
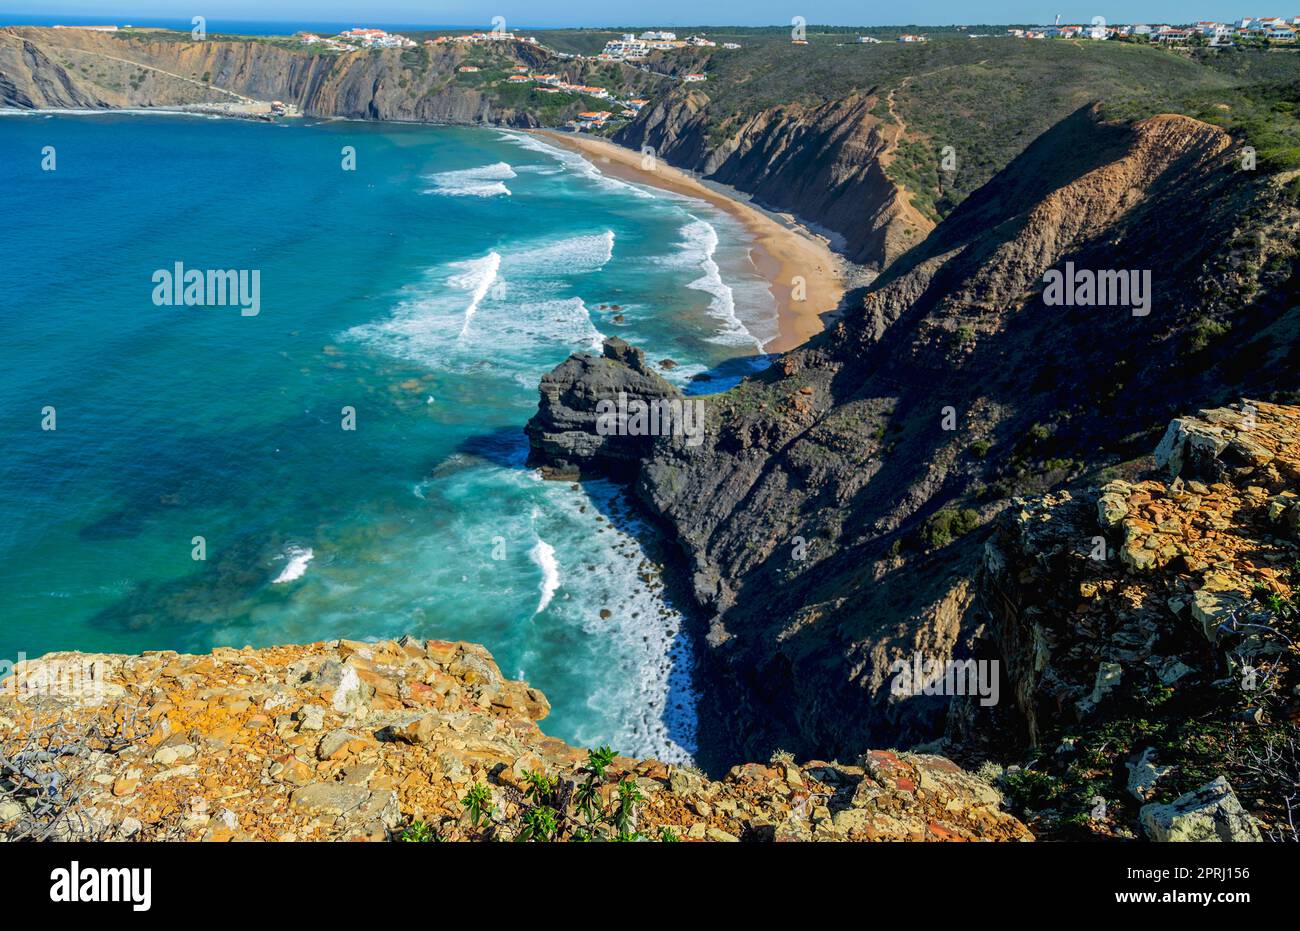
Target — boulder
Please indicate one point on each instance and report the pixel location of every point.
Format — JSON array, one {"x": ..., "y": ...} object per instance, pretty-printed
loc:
[
  {"x": 1210, "y": 813},
  {"x": 330, "y": 798},
  {"x": 564, "y": 436}
]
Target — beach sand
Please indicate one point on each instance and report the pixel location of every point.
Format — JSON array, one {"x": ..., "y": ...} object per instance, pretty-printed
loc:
[{"x": 780, "y": 253}]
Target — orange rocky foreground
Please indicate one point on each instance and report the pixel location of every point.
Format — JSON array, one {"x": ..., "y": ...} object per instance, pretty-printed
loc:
[{"x": 348, "y": 740}]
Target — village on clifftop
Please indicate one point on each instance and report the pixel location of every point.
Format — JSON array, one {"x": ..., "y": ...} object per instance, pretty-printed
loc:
[{"x": 636, "y": 49}]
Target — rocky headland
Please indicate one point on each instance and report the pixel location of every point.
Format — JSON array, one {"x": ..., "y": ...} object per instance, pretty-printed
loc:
[{"x": 836, "y": 518}]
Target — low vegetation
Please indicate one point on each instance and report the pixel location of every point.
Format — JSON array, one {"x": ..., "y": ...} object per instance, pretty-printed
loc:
[
  {"x": 1244, "y": 726},
  {"x": 584, "y": 807}
]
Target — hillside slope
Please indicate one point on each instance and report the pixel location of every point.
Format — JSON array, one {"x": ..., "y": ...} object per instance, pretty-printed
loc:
[
  {"x": 853, "y": 137},
  {"x": 821, "y": 519}
]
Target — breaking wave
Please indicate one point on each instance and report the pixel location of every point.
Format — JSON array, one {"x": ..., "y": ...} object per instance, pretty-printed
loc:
[
  {"x": 485, "y": 181},
  {"x": 298, "y": 557}
]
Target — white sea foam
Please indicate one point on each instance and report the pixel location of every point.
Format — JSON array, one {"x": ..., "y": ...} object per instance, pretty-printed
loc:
[
  {"x": 484, "y": 181},
  {"x": 579, "y": 164},
  {"x": 538, "y": 324},
  {"x": 543, "y": 554},
  {"x": 652, "y": 697},
  {"x": 574, "y": 255},
  {"x": 298, "y": 557},
  {"x": 518, "y": 309},
  {"x": 478, "y": 276},
  {"x": 697, "y": 249}
]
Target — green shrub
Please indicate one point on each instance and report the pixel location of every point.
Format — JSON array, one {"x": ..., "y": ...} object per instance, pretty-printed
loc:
[
  {"x": 947, "y": 525},
  {"x": 555, "y": 808},
  {"x": 1205, "y": 331},
  {"x": 478, "y": 803}
]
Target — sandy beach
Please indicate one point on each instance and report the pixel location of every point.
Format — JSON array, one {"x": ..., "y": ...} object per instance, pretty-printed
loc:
[{"x": 780, "y": 253}]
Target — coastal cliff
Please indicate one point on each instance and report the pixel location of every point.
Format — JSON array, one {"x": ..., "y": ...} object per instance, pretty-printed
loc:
[
  {"x": 831, "y": 521},
  {"x": 44, "y": 68},
  {"x": 824, "y": 163},
  {"x": 411, "y": 739}
]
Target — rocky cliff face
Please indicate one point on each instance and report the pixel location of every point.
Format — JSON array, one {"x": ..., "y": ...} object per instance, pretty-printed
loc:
[
  {"x": 369, "y": 741},
  {"x": 35, "y": 74},
  {"x": 822, "y": 518},
  {"x": 565, "y": 438},
  {"x": 1147, "y": 631},
  {"x": 825, "y": 164},
  {"x": 78, "y": 68}
]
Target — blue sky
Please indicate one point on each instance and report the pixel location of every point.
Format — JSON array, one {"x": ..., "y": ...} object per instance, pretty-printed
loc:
[{"x": 666, "y": 12}]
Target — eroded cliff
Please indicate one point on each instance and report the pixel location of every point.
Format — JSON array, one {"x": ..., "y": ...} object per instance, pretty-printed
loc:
[
  {"x": 1146, "y": 626},
  {"x": 828, "y": 520},
  {"x": 80, "y": 68},
  {"x": 826, "y": 164}
]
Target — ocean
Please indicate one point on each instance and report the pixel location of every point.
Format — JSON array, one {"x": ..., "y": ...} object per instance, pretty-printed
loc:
[{"x": 417, "y": 299}]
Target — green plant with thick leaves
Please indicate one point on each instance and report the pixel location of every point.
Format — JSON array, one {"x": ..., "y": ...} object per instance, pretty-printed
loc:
[
  {"x": 625, "y": 807},
  {"x": 478, "y": 803},
  {"x": 540, "y": 824},
  {"x": 419, "y": 832}
]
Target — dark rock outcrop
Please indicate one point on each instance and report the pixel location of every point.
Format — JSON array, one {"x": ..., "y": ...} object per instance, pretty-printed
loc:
[{"x": 566, "y": 439}]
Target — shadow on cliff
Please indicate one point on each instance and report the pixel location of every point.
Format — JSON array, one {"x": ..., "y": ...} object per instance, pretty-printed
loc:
[{"x": 961, "y": 326}]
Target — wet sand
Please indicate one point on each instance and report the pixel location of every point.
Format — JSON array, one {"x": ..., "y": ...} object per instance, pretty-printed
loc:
[{"x": 780, "y": 253}]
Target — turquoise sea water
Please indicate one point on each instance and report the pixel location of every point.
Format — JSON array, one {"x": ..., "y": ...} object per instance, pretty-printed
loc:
[{"x": 429, "y": 290}]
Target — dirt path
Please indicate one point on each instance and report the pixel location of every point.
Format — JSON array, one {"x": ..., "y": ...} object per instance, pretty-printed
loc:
[
  {"x": 908, "y": 210},
  {"x": 135, "y": 64}
]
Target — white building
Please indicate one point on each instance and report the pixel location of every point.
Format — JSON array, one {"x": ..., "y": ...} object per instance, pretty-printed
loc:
[{"x": 626, "y": 48}]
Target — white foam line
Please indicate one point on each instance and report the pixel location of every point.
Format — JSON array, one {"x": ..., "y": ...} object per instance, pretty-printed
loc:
[
  {"x": 298, "y": 557},
  {"x": 543, "y": 554},
  {"x": 723, "y": 306},
  {"x": 579, "y": 164},
  {"x": 57, "y": 111},
  {"x": 484, "y": 181},
  {"x": 482, "y": 275}
]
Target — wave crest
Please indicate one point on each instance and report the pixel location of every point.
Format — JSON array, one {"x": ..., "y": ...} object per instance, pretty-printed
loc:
[{"x": 484, "y": 181}]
